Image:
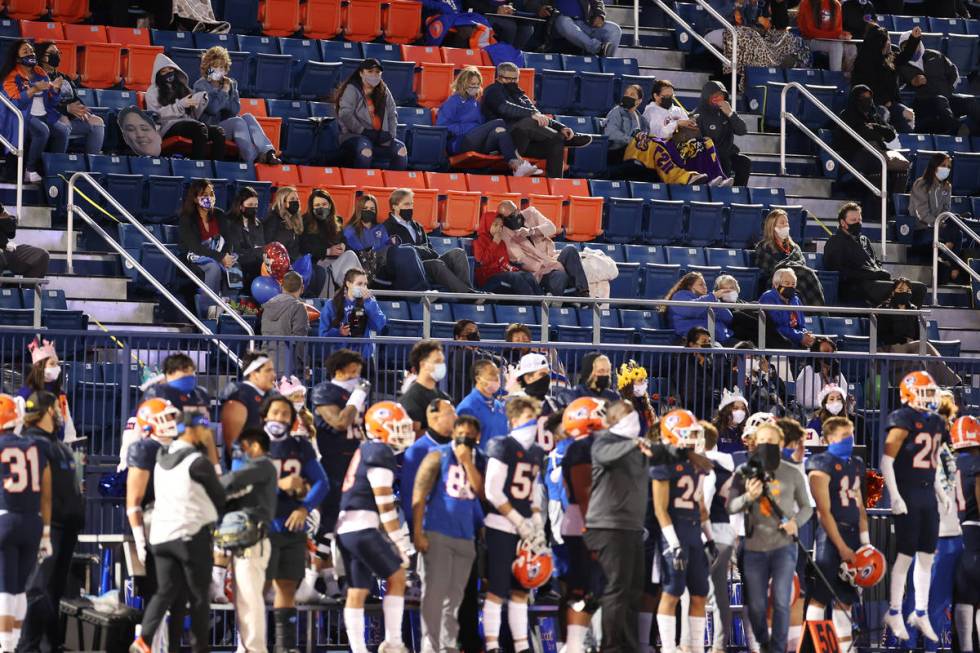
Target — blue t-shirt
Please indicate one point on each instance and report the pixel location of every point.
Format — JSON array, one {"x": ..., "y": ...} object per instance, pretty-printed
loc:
[
  {"x": 411, "y": 462},
  {"x": 453, "y": 508}
]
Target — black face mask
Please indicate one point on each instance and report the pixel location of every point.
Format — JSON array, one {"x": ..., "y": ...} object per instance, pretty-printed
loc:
[
  {"x": 768, "y": 456},
  {"x": 787, "y": 292},
  {"x": 30, "y": 61},
  {"x": 866, "y": 104},
  {"x": 369, "y": 216},
  {"x": 249, "y": 212},
  {"x": 666, "y": 102},
  {"x": 466, "y": 442},
  {"x": 854, "y": 229},
  {"x": 512, "y": 87},
  {"x": 473, "y": 337},
  {"x": 603, "y": 382},
  {"x": 538, "y": 388},
  {"x": 321, "y": 213},
  {"x": 514, "y": 221},
  {"x": 406, "y": 214},
  {"x": 627, "y": 102},
  {"x": 168, "y": 78},
  {"x": 293, "y": 207},
  {"x": 54, "y": 59},
  {"x": 902, "y": 298}
]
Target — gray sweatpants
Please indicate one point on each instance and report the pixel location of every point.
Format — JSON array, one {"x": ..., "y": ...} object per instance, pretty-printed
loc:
[
  {"x": 451, "y": 559},
  {"x": 720, "y": 606}
]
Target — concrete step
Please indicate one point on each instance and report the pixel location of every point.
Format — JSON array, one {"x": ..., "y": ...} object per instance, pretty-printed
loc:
[
  {"x": 805, "y": 186},
  {"x": 822, "y": 208},
  {"x": 758, "y": 143},
  {"x": 688, "y": 82},
  {"x": 52, "y": 240},
  {"x": 84, "y": 286},
  {"x": 957, "y": 318},
  {"x": 142, "y": 328},
  {"x": 654, "y": 57},
  {"x": 921, "y": 273},
  {"x": 32, "y": 216},
  {"x": 119, "y": 312}
]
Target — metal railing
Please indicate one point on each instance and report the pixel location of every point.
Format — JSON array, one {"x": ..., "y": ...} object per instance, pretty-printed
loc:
[
  {"x": 17, "y": 151},
  {"x": 785, "y": 115},
  {"x": 725, "y": 61},
  {"x": 938, "y": 245},
  {"x": 29, "y": 281}
]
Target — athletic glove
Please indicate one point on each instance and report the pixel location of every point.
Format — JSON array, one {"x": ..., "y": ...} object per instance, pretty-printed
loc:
[
  {"x": 525, "y": 527},
  {"x": 139, "y": 539},
  {"x": 44, "y": 549}
]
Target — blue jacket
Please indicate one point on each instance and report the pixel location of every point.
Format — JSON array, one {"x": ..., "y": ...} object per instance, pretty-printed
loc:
[
  {"x": 15, "y": 88},
  {"x": 460, "y": 115},
  {"x": 411, "y": 462},
  {"x": 683, "y": 318},
  {"x": 222, "y": 104},
  {"x": 781, "y": 319},
  {"x": 374, "y": 238},
  {"x": 489, "y": 412},
  {"x": 376, "y": 322}
]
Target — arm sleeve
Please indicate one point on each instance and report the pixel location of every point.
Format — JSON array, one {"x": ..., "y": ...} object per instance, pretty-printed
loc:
[
  {"x": 738, "y": 125},
  {"x": 238, "y": 480},
  {"x": 614, "y": 130},
  {"x": 447, "y": 116},
  {"x": 608, "y": 451},
  {"x": 300, "y": 323},
  {"x": 380, "y": 477},
  {"x": 802, "y": 501},
  {"x": 346, "y": 114},
  {"x": 217, "y": 100},
  {"x": 167, "y": 112},
  {"x": 234, "y": 99},
  {"x": 326, "y": 319},
  {"x": 737, "y": 502},
  {"x": 320, "y": 485},
  {"x": 376, "y": 318},
  {"x": 888, "y": 471},
  {"x": 202, "y": 472},
  {"x": 493, "y": 482}
]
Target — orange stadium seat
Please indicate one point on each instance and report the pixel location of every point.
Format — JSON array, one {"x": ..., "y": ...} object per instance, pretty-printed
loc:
[
  {"x": 401, "y": 21},
  {"x": 320, "y": 176},
  {"x": 404, "y": 179},
  {"x": 363, "y": 177},
  {"x": 421, "y": 54},
  {"x": 138, "y": 55},
  {"x": 69, "y": 11},
  {"x": 343, "y": 199},
  {"x": 26, "y": 9},
  {"x": 433, "y": 83},
  {"x": 279, "y": 175},
  {"x": 583, "y": 220},
  {"x": 446, "y": 181},
  {"x": 253, "y": 105},
  {"x": 461, "y": 57},
  {"x": 460, "y": 213},
  {"x": 99, "y": 62},
  {"x": 69, "y": 58},
  {"x": 362, "y": 20},
  {"x": 526, "y": 81},
  {"x": 279, "y": 17},
  {"x": 329, "y": 179},
  {"x": 322, "y": 19},
  {"x": 488, "y": 73},
  {"x": 272, "y": 128},
  {"x": 42, "y": 31}
]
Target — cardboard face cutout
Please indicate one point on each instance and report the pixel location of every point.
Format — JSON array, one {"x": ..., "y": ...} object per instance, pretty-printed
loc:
[{"x": 140, "y": 131}]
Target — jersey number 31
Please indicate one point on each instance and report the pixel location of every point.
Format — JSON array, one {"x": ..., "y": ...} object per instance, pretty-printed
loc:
[{"x": 23, "y": 469}]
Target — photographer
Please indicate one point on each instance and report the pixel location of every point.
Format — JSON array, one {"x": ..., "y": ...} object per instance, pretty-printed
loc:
[
  {"x": 24, "y": 260},
  {"x": 773, "y": 494},
  {"x": 353, "y": 313}
]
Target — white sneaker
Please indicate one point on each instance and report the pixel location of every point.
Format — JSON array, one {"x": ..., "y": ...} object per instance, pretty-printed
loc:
[
  {"x": 388, "y": 647},
  {"x": 894, "y": 623},
  {"x": 921, "y": 623},
  {"x": 728, "y": 183},
  {"x": 32, "y": 177},
  {"x": 527, "y": 169},
  {"x": 217, "y": 593},
  {"x": 697, "y": 179},
  {"x": 306, "y": 592},
  {"x": 716, "y": 181}
]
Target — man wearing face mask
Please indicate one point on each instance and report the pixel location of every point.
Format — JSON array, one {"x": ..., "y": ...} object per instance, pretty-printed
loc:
[
  {"x": 718, "y": 121},
  {"x": 595, "y": 379},
  {"x": 428, "y": 361},
  {"x": 863, "y": 280},
  {"x": 482, "y": 402},
  {"x": 463, "y": 358},
  {"x": 786, "y": 325},
  {"x": 772, "y": 494},
  {"x": 533, "y": 374}
]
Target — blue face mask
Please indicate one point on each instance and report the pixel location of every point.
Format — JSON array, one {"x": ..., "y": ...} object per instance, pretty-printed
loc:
[
  {"x": 842, "y": 449},
  {"x": 185, "y": 384},
  {"x": 788, "y": 454}
]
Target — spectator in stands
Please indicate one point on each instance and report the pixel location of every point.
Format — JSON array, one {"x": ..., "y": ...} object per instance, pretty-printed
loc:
[
  {"x": 859, "y": 16},
  {"x": 831, "y": 402},
  {"x": 47, "y": 375},
  {"x": 763, "y": 387},
  {"x": 528, "y": 235},
  {"x": 788, "y": 325},
  {"x": 692, "y": 288},
  {"x": 932, "y": 195},
  {"x": 81, "y": 122},
  {"x": 462, "y": 357},
  {"x": 470, "y": 131},
  {"x": 594, "y": 380},
  {"x": 729, "y": 421},
  {"x": 22, "y": 260},
  {"x": 367, "y": 119},
  {"x": 353, "y": 312},
  {"x": 386, "y": 263},
  {"x": 582, "y": 23},
  {"x": 450, "y": 270},
  {"x": 286, "y": 315},
  {"x": 494, "y": 271},
  {"x": 323, "y": 240},
  {"x": 623, "y": 122},
  {"x": 818, "y": 374},
  {"x": 180, "y": 108},
  {"x": 534, "y": 134},
  {"x": 694, "y": 380},
  {"x": 428, "y": 362},
  {"x": 482, "y": 402},
  {"x": 505, "y": 28},
  {"x": 875, "y": 68},
  {"x": 223, "y": 108},
  {"x": 669, "y": 123},
  {"x": 244, "y": 233},
  {"x": 31, "y": 90},
  {"x": 763, "y": 36},
  {"x": 777, "y": 249},
  {"x": 284, "y": 224},
  {"x": 720, "y": 124},
  {"x": 862, "y": 279},
  {"x": 822, "y": 21},
  {"x": 201, "y": 226}
]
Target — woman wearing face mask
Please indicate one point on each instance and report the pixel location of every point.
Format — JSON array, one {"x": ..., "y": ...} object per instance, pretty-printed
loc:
[
  {"x": 624, "y": 121},
  {"x": 470, "y": 131},
  {"x": 323, "y": 240},
  {"x": 633, "y": 385},
  {"x": 367, "y": 119},
  {"x": 691, "y": 288},
  {"x": 243, "y": 231},
  {"x": 777, "y": 249},
  {"x": 932, "y": 195},
  {"x": 594, "y": 380},
  {"x": 284, "y": 223},
  {"x": 818, "y": 374},
  {"x": 494, "y": 272},
  {"x": 223, "y": 107},
  {"x": 37, "y": 97},
  {"x": 833, "y": 403},
  {"x": 178, "y": 107},
  {"x": 353, "y": 312},
  {"x": 387, "y": 264},
  {"x": 729, "y": 421},
  {"x": 81, "y": 122},
  {"x": 47, "y": 375},
  {"x": 202, "y": 229}
]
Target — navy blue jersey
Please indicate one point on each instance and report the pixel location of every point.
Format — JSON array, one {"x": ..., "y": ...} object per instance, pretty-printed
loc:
[
  {"x": 249, "y": 396},
  {"x": 523, "y": 469},
  {"x": 968, "y": 469},
  {"x": 329, "y": 440},
  {"x": 915, "y": 464},
  {"x": 357, "y": 491},
  {"x": 453, "y": 508},
  {"x": 142, "y": 454},
  {"x": 683, "y": 504},
  {"x": 846, "y": 477},
  {"x": 195, "y": 401},
  {"x": 22, "y": 463},
  {"x": 296, "y": 456},
  {"x": 717, "y": 511},
  {"x": 578, "y": 453}
]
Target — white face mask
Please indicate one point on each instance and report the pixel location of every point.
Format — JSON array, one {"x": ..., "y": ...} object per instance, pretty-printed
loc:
[
  {"x": 834, "y": 407},
  {"x": 628, "y": 427},
  {"x": 782, "y": 233},
  {"x": 439, "y": 372},
  {"x": 729, "y": 296},
  {"x": 738, "y": 416},
  {"x": 216, "y": 75},
  {"x": 51, "y": 374},
  {"x": 942, "y": 173},
  {"x": 640, "y": 389},
  {"x": 276, "y": 429}
]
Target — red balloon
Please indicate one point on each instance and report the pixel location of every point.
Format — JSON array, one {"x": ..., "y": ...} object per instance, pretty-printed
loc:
[{"x": 275, "y": 260}]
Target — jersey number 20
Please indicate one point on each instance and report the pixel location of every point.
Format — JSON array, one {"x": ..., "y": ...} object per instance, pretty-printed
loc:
[
  {"x": 928, "y": 456},
  {"x": 23, "y": 469}
]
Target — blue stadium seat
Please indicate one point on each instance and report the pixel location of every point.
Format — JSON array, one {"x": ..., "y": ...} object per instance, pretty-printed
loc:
[
  {"x": 665, "y": 222},
  {"x": 804, "y": 76},
  {"x": 906, "y": 23},
  {"x": 658, "y": 279},
  {"x": 590, "y": 161},
  {"x": 744, "y": 225},
  {"x": 578, "y": 124},
  {"x": 947, "y": 348},
  {"x": 542, "y": 61},
  {"x": 170, "y": 39},
  {"x": 580, "y": 64},
  {"x": 442, "y": 244},
  {"x": 323, "y": 110},
  {"x": 10, "y": 28},
  {"x": 830, "y": 281},
  {"x": 529, "y": 315},
  {"x": 705, "y": 224},
  {"x": 10, "y": 298},
  {"x": 689, "y": 193},
  {"x": 814, "y": 259},
  {"x": 405, "y": 328},
  {"x": 624, "y": 215},
  {"x": 756, "y": 91},
  {"x": 427, "y": 147},
  {"x": 916, "y": 142},
  {"x": 645, "y": 82},
  {"x": 658, "y": 337},
  {"x": 299, "y": 49},
  {"x": 797, "y": 219},
  {"x": 709, "y": 272},
  {"x": 191, "y": 169},
  {"x": 189, "y": 60},
  {"x": 612, "y": 250},
  {"x": 946, "y": 25},
  {"x": 438, "y": 312},
  {"x": 648, "y": 191},
  {"x": 627, "y": 283},
  {"x": 725, "y": 257},
  {"x": 833, "y": 78},
  {"x": 299, "y": 142},
  {"x": 261, "y": 44},
  {"x": 637, "y": 319},
  {"x": 205, "y": 40},
  {"x": 620, "y": 66},
  {"x": 58, "y": 168},
  {"x": 414, "y": 116},
  {"x": 395, "y": 310},
  {"x": 962, "y": 50},
  {"x": 400, "y": 79},
  {"x": 286, "y": 109},
  {"x": 841, "y": 326},
  {"x": 316, "y": 79},
  {"x": 729, "y": 194},
  {"x": 273, "y": 74},
  {"x": 115, "y": 99},
  {"x": 767, "y": 196},
  {"x": 555, "y": 90},
  {"x": 338, "y": 50},
  {"x": 561, "y": 316},
  {"x": 64, "y": 319},
  {"x": 481, "y": 314},
  {"x": 947, "y": 143},
  {"x": 644, "y": 254},
  {"x": 748, "y": 280},
  {"x": 966, "y": 173},
  {"x": 812, "y": 116}
]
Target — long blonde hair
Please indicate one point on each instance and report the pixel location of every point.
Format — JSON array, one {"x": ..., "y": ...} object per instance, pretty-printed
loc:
[
  {"x": 215, "y": 57},
  {"x": 769, "y": 230},
  {"x": 294, "y": 222},
  {"x": 463, "y": 79}
]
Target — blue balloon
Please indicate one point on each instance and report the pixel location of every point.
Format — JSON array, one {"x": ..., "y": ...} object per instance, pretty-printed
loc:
[
  {"x": 264, "y": 289},
  {"x": 304, "y": 268}
]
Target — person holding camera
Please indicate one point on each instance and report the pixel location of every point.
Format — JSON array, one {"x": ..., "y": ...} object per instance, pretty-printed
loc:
[
  {"x": 353, "y": 312},
  {"x": 772, "y": 494}
]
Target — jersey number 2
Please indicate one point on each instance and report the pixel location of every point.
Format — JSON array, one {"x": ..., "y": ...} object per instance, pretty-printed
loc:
[
  {"x": 24, "y": 469},
  {"x": 928, "y": 455},
  {"x": 687, "y": 486}
]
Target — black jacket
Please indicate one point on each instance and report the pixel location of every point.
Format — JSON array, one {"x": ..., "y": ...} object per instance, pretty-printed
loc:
[
  {"x": 8, "y": 229},
  {"x": 420, "y": 241},
  {"x": 871, "y": 70},
  {"x": 856, "y": 17},
  {"x": 510, "y": 105},
  {"x": 867, "y": 125},
  {"x": 853, "y": 258},
  {"x": 276, "y": 231},
  {"x": 189, "y": 233},
  {"x": 898, "y": 329},
  {"x": 590, "y": 8},
  {"x": 247, "y": 244},
  {"x": 316, "y": 243},
  {"x": 67, "y": 502},
  {"x": 941, "y": 73},
  {"x": 717, "y": 126}
]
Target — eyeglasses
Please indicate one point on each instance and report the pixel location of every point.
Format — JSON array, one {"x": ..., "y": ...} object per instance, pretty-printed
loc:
[{"x": 507, "y": 80}]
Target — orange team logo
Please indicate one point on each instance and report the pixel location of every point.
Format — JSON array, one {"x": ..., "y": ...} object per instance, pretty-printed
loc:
[
  {"x": 520, "y": 454},
  {"x": 765, "y": 507},
  {"x": 838, "y": 467},
  {"x": 774, "y": 488},
  {"x": 679, "y": 468}
]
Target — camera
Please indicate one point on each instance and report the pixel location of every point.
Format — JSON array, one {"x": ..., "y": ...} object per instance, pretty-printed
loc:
[{"x": 753, "y": 468}]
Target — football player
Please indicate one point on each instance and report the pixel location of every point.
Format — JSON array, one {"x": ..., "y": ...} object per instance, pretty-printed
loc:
[
  {"x": 533, "y": 374},
  {"x": 679, "y": 507},
  {"x": 909, "y": 465},
  {"x": 240, "y": 402},
  {"x": 716, "y": 487},
  {"x": 965, "y": 437},
  {"x": 835, "y": 478},
  {"x": 583, "y": 417},
  {"x": 513, "y": 489},
  {"x": 373, "y": 543}
]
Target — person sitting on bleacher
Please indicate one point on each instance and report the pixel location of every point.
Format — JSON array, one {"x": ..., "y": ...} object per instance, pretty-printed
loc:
[
  {"x": 378, "y": 253},
  {"x": 202, "y": 227},
  {"x": 822, "y": 21},
  {"x": 284, "y": 224},
  {"x": 932, "y": 195},
  {"x": 817, "y": 374},
  {"x": 500, "y": 15},
  {"x": 223, "y": 107},
  {"x": 720, "y": 124},
  {"x": 875, "y": 67},
  {"x": 582, "y": 23},
  {"x": 36, "y": 96},
  {"x": 179, "y": 109},
  {"x": 624, "y": 121},
  {"x": 858, "y": 17},
  {"x": 787, "y": 327},
  {"x": 323, "y": 240},
  {"x": 22, "y": 260},
  {"x": 470, "y": 131},
  {"x": 533, "y": 133},
  {"x": 244, "y": 233},
  {"x": 368, "y": 121},
  {"x": 81, "y": 121},
  {"x": 934, "y": 77},
  {"x": 692, "y": 288},
  {"x": 777, "y": 249},
  {"x": 494, "y": 272}
]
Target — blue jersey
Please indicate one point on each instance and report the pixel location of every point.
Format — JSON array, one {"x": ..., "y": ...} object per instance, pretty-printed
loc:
[
  {"x": 296, "y": 456},
  {"x": 142, "y": 454},
  {"x": 846, "y": 478},
  {"x": 578, "y": 453},
  {"x": 683, "y": 503},
  {"x": 968, "y": 470},
  {"x": 328, "y": 439},
  {"x": 915, "y": 464},
  {"x": 357, "y": 491},
  {"x": 717, "y": 511},
  {"x": 523, "y": 470},
  {"x": 22, "y": 463},
  {"x": 453, "y": 508},
  {"x": 249, "y": 396},
  {"x": 553, "y": 482}
]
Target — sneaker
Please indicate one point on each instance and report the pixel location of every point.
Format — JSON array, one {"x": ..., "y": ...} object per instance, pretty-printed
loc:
[
  {"x": 217, "y": 594},
  {"x": 697, "y": 178},
  {"x": 728, "y": 183},
  {"x": 606, "y": 49},
  {"x": 139, "y": 646},
  {"x": 388, "y": 647},
  {"x": 893, "y": 621},
  {"x": 578, "y": 140},
  {"x": 920, "y": 621},
  {"x": 306, "y": 592},
  {"x": 32, "y": 177},
  {"x": 527, "y": 169},
  {"x": 716, "y": 181}
]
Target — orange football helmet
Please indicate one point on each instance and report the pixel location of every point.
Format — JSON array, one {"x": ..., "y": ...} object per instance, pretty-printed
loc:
[
  {"x": 389, "y": 422},
  {"x": 868, "y": 567},
  {"x": 919, "y": 390},
  {"x": 583, "y": 416},
  {"x": 680, "y": 428},
  {"x": 532, "y": 568},
  {"x": 11, "y": 412},
  {"x": 965, "y": 432},
  {"x": 158, "y": 418}
]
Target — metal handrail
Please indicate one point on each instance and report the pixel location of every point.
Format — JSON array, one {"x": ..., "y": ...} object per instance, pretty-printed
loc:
[
  {"x": 29, "y": 281},
  {"x": 16, "y": 151},
  {"x": 785, "y": 115},
  {"x": 938, "y": 245},
  {"x": 733, "y": 91},
  {"x": 152, "y": 240}
]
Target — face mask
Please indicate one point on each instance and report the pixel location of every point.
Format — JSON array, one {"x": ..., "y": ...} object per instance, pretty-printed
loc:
[
  {"x": 640, "y": 389},
  {"x": 901, "y": 298},
  {"x": 738, "y": 416},
  {"x": 473, "y": 92},
  {"x": 216, "y": 75},
  {"x": 716, "y": 100},
  {"x": 512, "y": 87},
  {"x": 834, "y": 407},
  {"x": 357, "y": 292},
  {"x": 787, "y": 292},
  {"x": 768, "y": 456},
  {"x": 942, "y": 173},
  {"x": 628, "y": 427},
  {"x": 293, "y": 207},
  {"x": 249, "y": 212},
  {"x": 299, "y": 405},
  {"x": 538, "y": 388},
  {"x": 51, "y": 374},
  {"x": 439, "y": 372},
  {"x": 321, "y": 213},
  {"x": 348, "y": 384},
  {"x": 54, "y": 59},
  {"x": 168, "y": 78},
  {"x": 406, "y": 214},
  {"x": 627, "y": 102},
  {"x": 30, "y": 62},
  {"x": 782, "y": 233},
  {"x": 371, "y": 80},
  {"x": 184, "y": 384},
  {"x": 730, "y": 296},
  {"x": 788, "y": 454},
  {"x": 514, "y": 221},
  {"x": 465, "y": 441},
  {"x": 854, "y": 229},
  {"x": 205, "y": 203},
  {"x": 473, "y": 337},
  {"x": 602, "y": 382},
  {"x": 866, "y": 105},
  {"x": 842, "y": 449},
  {"x": 276, "y": 429},
  {"x": 666, "y": 102},
  {"x": 368, "y": 216}
]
